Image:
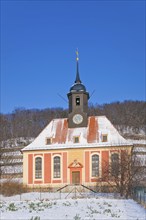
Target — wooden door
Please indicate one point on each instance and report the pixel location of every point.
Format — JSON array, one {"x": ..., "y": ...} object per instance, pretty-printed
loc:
[{"x": 76, "y": 177}]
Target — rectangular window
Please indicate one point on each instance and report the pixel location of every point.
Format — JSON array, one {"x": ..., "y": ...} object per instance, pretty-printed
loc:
[
  {"x": 77, "y": 100},
  {"x": 104, "y": 138},
  {"x": 115, "y": 165},
  {"x": 76, "y": 139},
  {"x": 48, "y": 141},
  {"x": 38, "y": 168},
  {"x": 57, "y": 166},
  {"x": 95, "y": 165}
]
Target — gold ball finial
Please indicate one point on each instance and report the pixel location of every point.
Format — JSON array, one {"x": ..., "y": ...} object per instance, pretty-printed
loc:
[{"x": 77, "y": 54}]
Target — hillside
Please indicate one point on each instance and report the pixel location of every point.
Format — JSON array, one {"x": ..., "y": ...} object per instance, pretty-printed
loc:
[
  {"x": 129, "y": 117},
  {"x": 85, "y": 206},
  {"x": 22, "y": 126}
]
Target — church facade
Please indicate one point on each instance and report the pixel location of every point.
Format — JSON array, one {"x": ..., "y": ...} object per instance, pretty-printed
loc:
[{"x": 73, "y": 150}]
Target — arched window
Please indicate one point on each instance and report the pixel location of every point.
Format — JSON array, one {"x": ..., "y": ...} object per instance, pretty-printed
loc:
[
  {"x": 57, "y": 166},
  {"x": 38, "y": 168},
  {"x": 115, "y": 164},
  {"x": 77, "y": 100},
  {"x": 95, "y": 165}
]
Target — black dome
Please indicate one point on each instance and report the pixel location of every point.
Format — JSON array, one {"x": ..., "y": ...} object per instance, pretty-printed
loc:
[{"x": 78, "y": 87}]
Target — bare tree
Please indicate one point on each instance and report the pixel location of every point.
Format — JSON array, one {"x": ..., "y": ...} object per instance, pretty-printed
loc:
[{"x": 124, "y": 172}]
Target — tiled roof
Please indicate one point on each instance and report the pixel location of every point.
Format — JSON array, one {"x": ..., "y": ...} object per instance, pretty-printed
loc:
[{"x": 90, "y": 136}]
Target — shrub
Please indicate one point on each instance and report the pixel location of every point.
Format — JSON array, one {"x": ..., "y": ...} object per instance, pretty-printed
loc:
[
  {"x": 12, "y": 207},
  {"x": 12, "y": 187}
]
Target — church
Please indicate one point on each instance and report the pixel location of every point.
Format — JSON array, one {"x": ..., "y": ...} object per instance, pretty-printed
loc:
[{"x": 74, "y": 150}]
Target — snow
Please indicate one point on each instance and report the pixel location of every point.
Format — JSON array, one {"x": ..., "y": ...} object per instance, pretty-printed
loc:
[
  {"x": 80, "y": 132},
  {"x": 140, "y": 149},
  {"x": 142, "y": 141},
  {"x": 141, "y": 159},
  {"x": 104, "y": 127},
  {"x": 16, "y": 142},
  {"x": 13, "y": 160},
  {"x": 2, "y": 180},
  {"x": 11, "y": 153},
  {"x": 73, "y": 146},
  {"x": 12, "y": 169},
  {"x": 51, "y": 207}
]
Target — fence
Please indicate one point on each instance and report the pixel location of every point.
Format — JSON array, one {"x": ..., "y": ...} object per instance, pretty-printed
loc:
[
  {"x": 139, "y": 195},
  {"x": 66, "y": 192}
]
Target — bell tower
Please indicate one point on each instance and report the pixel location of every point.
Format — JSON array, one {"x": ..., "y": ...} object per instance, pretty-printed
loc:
[{"x": 78, "y": 101}]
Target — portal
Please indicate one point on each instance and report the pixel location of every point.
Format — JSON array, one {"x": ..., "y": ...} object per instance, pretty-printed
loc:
[{"x": 75, "y": 177}]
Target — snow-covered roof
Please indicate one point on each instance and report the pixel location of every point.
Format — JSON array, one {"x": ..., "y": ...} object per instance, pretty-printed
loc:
[{"x": 91, "y": 136}]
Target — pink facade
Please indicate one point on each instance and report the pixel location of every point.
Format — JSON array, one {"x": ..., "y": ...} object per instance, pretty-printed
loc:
[{"x": 68, "y": 171}]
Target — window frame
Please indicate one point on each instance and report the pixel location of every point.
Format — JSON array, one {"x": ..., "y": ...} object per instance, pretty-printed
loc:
[
  {"x": 53, "y": 173},
  {"x": 41, "y": 170},
  {"x": 75, "y": 138},
  {"x": 115, "y": 164},
  {"x": 103, "y": 136},
  {"x": 50, "y": 141},
  {"x": 92, "y": 155}
]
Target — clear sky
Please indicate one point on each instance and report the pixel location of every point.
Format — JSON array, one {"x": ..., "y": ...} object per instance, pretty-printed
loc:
[{"x": 38, "y": 43}]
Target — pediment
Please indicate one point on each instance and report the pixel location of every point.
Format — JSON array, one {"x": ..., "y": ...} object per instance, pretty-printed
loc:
[{"x": 76, "y": 164}]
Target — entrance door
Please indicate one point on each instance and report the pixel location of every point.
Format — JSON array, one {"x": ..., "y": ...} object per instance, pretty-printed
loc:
[{"x": 76, "y": 177}]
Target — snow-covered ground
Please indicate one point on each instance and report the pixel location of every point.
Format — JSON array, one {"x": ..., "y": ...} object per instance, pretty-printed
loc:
[{"x": 47, "y": 206}]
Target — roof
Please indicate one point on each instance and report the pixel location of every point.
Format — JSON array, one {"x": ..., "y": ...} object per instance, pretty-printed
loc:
[
  {"x": 78, "y": 86},
  {"x": 90, "y": 136}
]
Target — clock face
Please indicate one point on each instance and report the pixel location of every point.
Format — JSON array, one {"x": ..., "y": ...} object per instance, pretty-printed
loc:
[{"x": 77, "y": 119}]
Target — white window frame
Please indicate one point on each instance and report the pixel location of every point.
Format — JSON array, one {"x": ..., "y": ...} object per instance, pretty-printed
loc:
[
  {"x": 99, "y": 155},
  {"x": 34, "y": 171},
  {"x": 58, "y": 178}
]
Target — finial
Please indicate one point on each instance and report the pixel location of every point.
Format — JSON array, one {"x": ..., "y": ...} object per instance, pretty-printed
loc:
[
  {"x": 77, "y": 54},
  {"x": 77, "y": 73}
]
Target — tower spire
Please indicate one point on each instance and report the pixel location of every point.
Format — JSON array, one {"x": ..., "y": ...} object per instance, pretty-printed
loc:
[{"x": 77, "y": 73}]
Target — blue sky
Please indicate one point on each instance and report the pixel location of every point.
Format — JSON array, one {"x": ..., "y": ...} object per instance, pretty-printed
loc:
[{"x": 38, "y": 43}]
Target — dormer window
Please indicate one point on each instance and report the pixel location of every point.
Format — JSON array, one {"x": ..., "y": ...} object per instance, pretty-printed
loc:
[
  {"x": 77, "y": 100},
  {"x": 104, "y": 138},
  {"x": 48, "y": 141},
  {"x": 76, "y": 139}
]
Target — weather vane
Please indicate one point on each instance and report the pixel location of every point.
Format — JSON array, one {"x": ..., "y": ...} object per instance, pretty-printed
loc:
[{"x": 77, "y": 54}]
